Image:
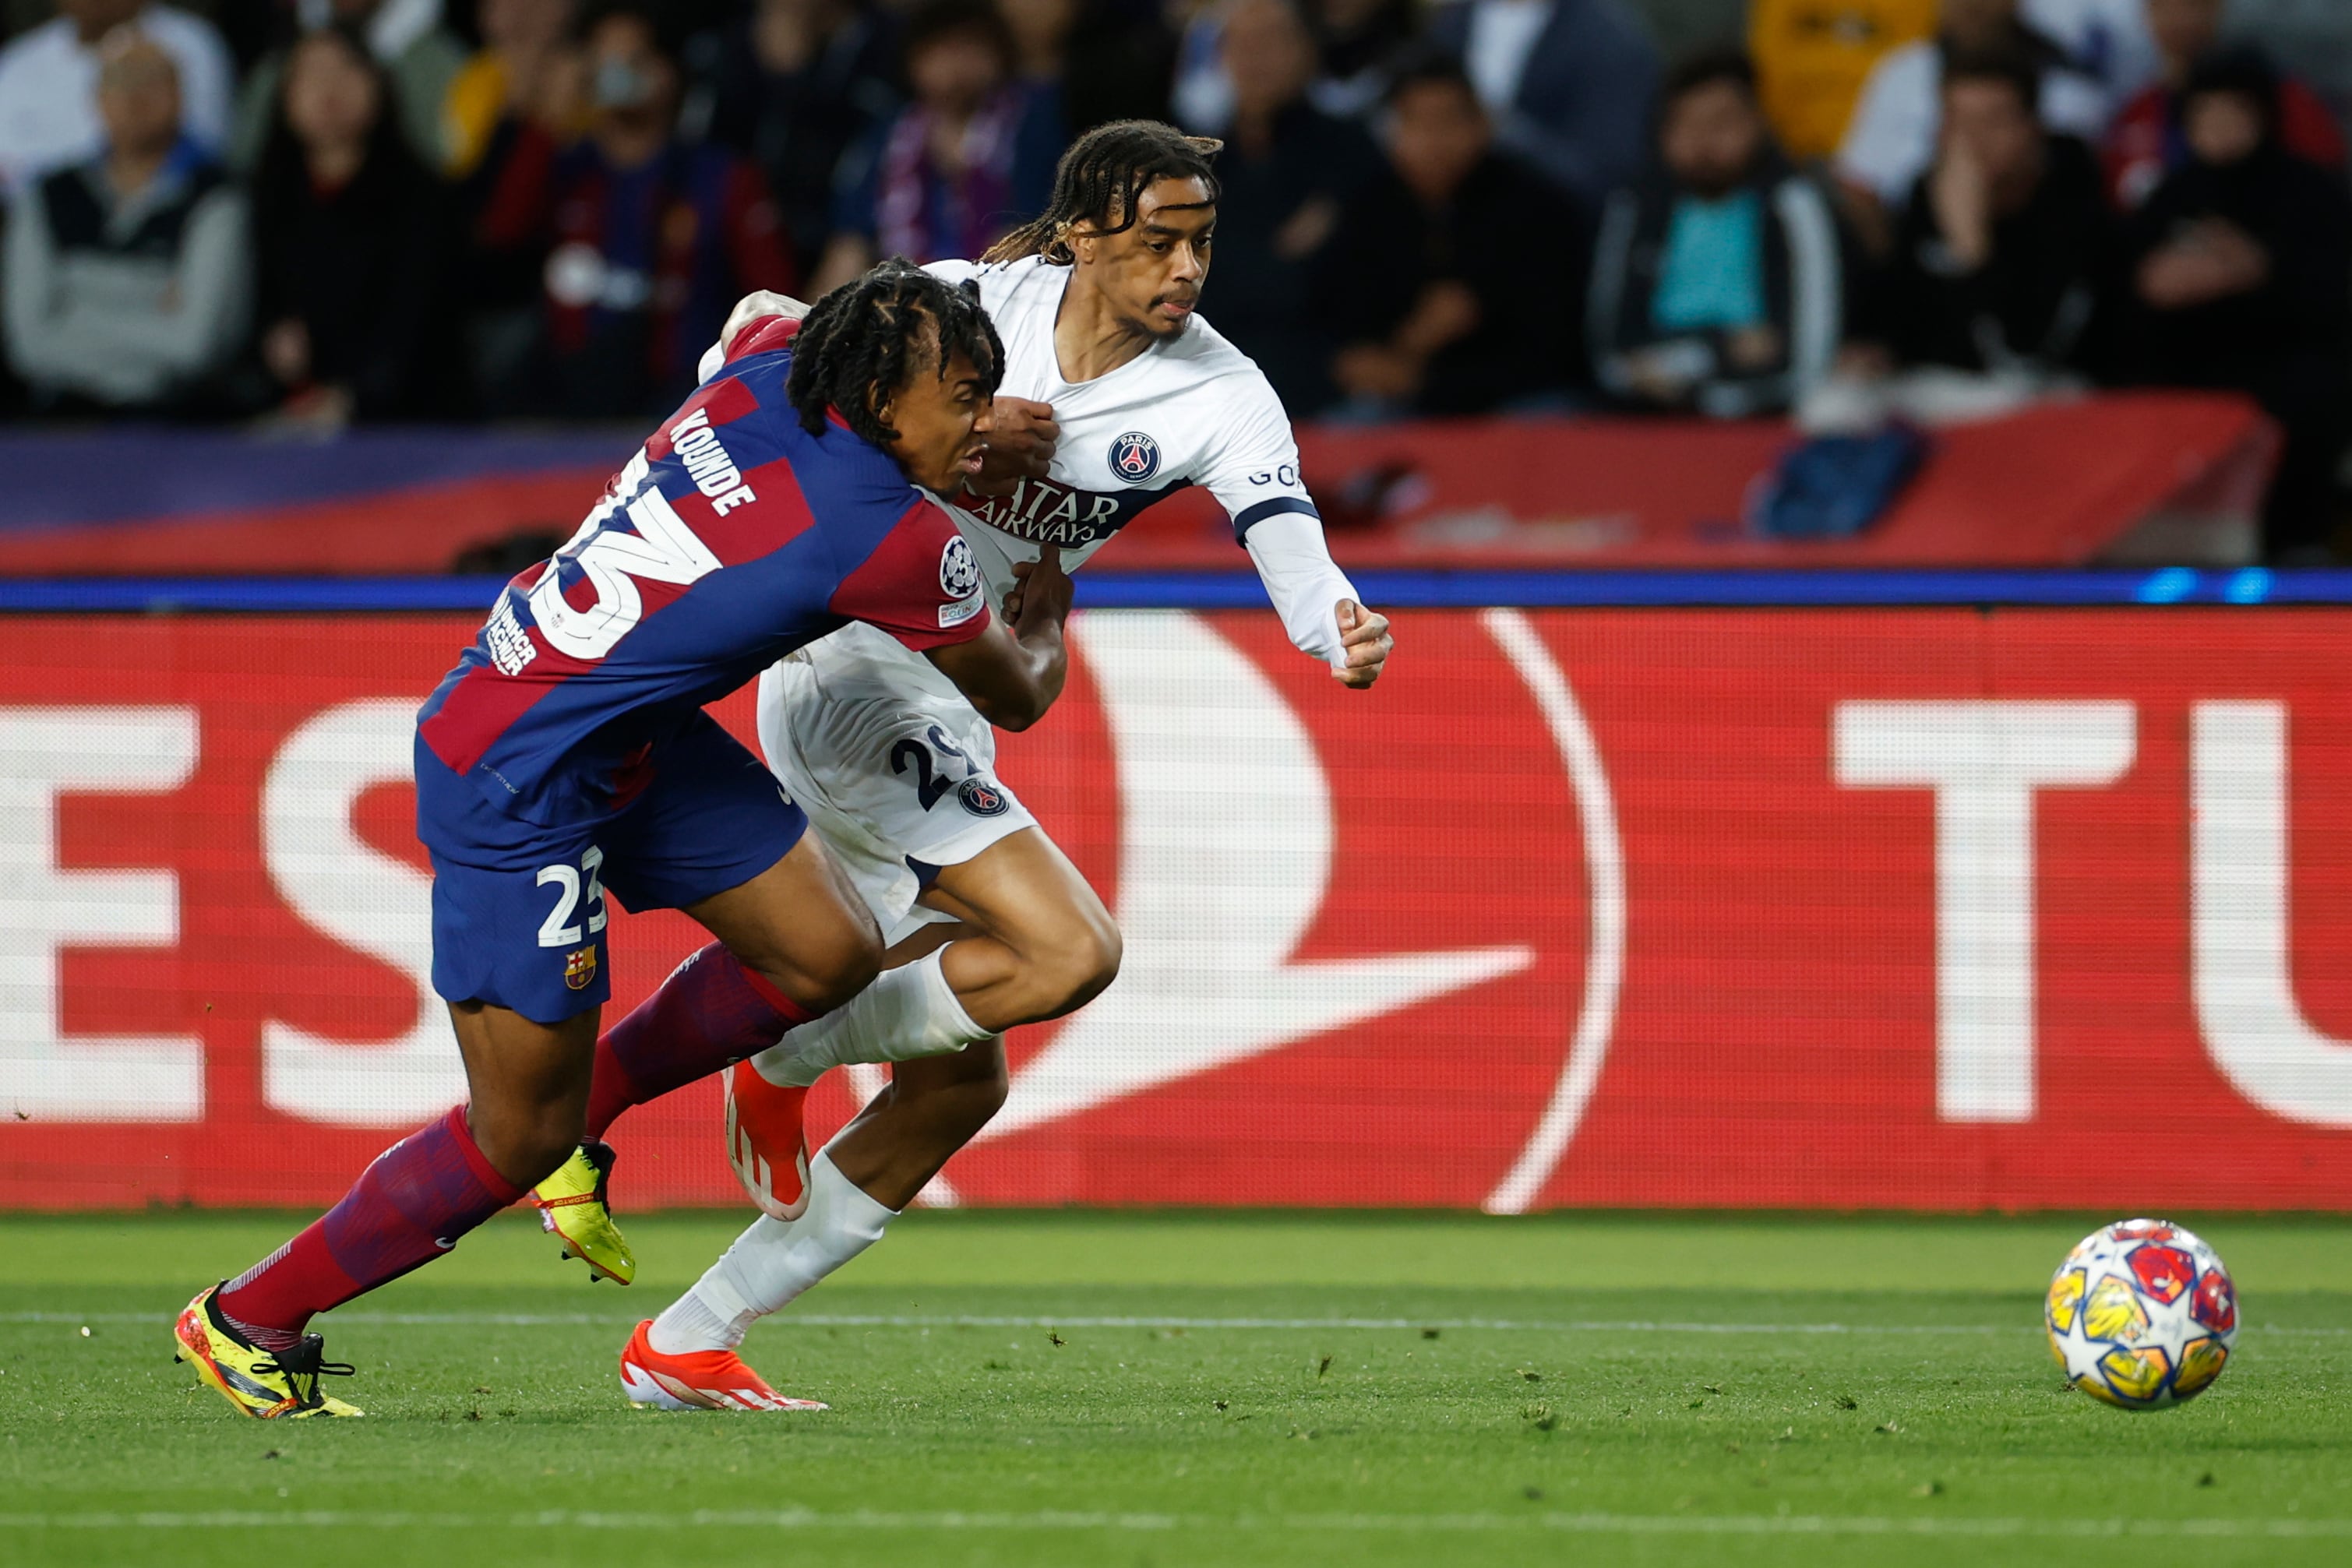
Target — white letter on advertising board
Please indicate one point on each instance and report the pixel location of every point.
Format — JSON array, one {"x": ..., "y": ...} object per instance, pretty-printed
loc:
[
  {"x": 1984, "y": 760},
  {"x": 334, "y": 880},
  {"x": 2254, "y": 1029},
  {"x": 45, "y": 1074}
]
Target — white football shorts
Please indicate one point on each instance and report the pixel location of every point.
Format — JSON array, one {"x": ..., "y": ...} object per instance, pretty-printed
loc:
[{"x": 891, "y": 783}]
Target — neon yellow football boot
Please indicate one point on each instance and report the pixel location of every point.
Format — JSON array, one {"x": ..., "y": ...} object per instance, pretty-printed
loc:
[
  {"x": 572, "y": 1206},
  {"x": 256, "y": 1382}
]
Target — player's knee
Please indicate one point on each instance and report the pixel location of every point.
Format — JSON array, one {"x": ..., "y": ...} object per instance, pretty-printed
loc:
[
  {"x": 1081, "y": 962},
  {"x": 824, "y": 967},
  {"x": 847, "y": 966}
]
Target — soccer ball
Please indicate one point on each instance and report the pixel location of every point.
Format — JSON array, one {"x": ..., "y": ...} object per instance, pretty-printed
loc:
[{"x": 2142, "y": 1315}]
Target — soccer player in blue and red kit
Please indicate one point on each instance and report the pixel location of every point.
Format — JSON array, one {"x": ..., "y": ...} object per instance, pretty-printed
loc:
[{"x": 568, "y": 754}]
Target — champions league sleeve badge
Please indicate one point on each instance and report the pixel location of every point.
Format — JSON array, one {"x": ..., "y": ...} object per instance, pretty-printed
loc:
[
  {"x": 959, "y": 572},
  {"x": 1135, "y": 457}
]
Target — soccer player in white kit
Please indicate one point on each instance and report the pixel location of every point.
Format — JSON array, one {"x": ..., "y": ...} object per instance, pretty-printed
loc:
[{"x": 1130, "y": 397}]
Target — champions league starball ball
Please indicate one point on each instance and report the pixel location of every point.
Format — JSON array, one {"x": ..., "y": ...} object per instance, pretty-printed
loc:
[{"x": 2142, "y": 1315}]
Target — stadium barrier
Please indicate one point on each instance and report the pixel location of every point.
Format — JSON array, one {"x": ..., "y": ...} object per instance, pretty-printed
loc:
[
  {"x": 2121, "y": 477},
  {"x": 1924, "y": 907}
]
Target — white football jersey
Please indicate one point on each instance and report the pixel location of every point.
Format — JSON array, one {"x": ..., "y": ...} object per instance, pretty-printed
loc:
[{"x": 1190, "y": 410}]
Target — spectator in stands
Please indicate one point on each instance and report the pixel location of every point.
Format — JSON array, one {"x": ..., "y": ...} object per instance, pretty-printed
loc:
[
  {"x": 1356, "y": 43},
  {"x": 405, "y": 36},
  {"x": 794, "y": 86},
  {"x": 2148, "y": 139},
  {"x": 1717, "y": 284},
  {"x": 354, "y": 243},
  {"x": 1040, "y": 30},
  {"x": 1288, "y": 172},
  {"x": 1453, "y": 278},
  {"x": 960, "y": 167},
  {"x": 48, "y": 85},
  {"x": 499, "y": 294},
  {"x": 2237, "y": 266},
  {"x": 126, "y": 285},
  {"x": 1999, "y": 252},
  {"x": 1892, "y": 137},
  {"x": 649, "y": 240},
  {"x": 523, "y": 50},
  {"x": 1812, "y": 57},
  {"x": 2105, "y": 40},
  {"x": 1569, "y": 86},
  {"x": 1202, "y": 98},
  {"x": 1087, "y": 62}
]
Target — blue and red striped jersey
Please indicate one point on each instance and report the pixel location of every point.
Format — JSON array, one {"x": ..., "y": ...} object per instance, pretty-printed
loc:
[{"x": 732, "y": 537}]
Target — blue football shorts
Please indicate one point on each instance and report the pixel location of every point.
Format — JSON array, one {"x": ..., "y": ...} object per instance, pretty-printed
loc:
[{"x": 518, "y": 907}]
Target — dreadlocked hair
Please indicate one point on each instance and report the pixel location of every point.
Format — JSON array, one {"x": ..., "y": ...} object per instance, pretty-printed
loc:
[
  {"x": 874, "y": 334},
  {"x": 1100, "y": 182}
]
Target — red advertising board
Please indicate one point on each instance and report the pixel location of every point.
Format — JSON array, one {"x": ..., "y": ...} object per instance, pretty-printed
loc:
[
  {"x": 1927, "y": 909},
  {"x": 2159, "y": 477}
]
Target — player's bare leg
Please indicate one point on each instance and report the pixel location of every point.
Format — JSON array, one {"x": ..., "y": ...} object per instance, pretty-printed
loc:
[
  {"x": 1040, "y": 944},
  {"x": 526, "y": 1086},
  {"x": 932, "y": 1106},
  {"x": 800, "y": 925},
  {"x": 1031, "y": 942}
]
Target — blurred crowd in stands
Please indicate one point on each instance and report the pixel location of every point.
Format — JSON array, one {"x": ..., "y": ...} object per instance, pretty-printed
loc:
[{"x": 309, "y": 212}]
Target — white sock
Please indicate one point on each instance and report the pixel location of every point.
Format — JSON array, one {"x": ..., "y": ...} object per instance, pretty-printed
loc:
[
  {"x": 773, "y": 1263},
  {"x": 908, "y": 1011}
]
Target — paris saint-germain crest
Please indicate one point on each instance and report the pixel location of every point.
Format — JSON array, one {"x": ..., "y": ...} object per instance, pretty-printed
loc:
[
  {"x": 983, "y": 799},
  {"x": 1135, "y": 457}
]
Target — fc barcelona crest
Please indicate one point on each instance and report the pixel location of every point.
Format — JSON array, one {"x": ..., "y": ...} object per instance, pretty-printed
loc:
[
  {"x": 1135, "y": 457},
  {"x": 580, "y": 967}
]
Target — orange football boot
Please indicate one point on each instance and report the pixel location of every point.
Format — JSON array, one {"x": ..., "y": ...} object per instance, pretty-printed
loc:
[
  {"x": 699, "y": 1380},
  {"x": 766, "y": 1141}
]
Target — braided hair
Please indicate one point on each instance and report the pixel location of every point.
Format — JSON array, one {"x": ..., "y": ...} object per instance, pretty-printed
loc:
[
  {"x": 1101, "y": 183},
  {"x": 874, "y": 333}
]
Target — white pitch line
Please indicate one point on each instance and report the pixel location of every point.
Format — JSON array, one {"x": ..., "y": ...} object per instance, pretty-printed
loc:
[
  {"x": 972, "y": 1320},
  {"x": 1048, "y": 1321},
  {"x": 1050, "y": 1520},
  {"x": 1510, "y": 1325}
]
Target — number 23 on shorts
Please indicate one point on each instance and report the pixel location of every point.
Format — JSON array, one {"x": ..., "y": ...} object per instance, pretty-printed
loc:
[{"x": 574, "y": 887}]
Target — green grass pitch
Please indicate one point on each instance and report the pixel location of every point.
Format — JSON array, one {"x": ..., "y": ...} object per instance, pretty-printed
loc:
[{"x": 1115, "y": 1389}]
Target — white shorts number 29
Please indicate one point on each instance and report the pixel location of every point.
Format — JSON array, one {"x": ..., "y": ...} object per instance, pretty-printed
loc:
[{"x": 886, "y": 780}]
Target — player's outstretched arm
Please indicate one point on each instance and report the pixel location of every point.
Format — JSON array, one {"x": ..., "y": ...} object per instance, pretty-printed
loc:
[
  {"x": 1254, "y": 475},
  {"x": 1013, "y": 671},
  {"x": 1317, "y": 602}
]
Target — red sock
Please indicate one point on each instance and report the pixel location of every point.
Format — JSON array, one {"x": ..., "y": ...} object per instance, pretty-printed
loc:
[
  {"x": 407, "y": 1209},
  {"x": 710, "y": 1011}
]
